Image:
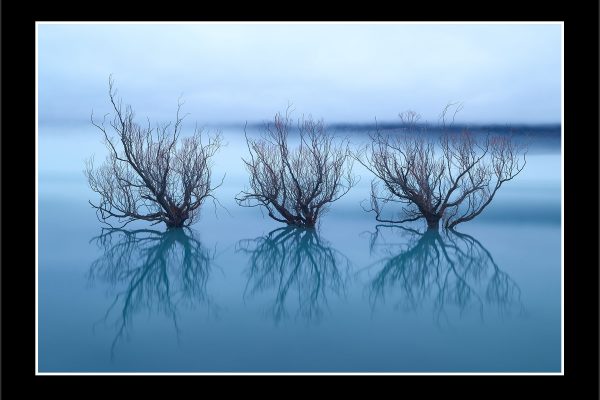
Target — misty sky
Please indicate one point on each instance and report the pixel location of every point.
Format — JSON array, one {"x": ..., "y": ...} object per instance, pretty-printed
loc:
[{"x": 230, "y": 73}]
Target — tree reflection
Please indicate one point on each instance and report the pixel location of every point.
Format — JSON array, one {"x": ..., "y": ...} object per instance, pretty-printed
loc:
[
  {"x": 450, "y": 269},
  {"x": 299, "y": 266},
  {"x": 151, "y": 270}
]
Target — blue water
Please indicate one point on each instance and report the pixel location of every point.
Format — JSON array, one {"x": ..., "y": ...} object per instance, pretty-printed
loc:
[{"x": 241, "y": 293}]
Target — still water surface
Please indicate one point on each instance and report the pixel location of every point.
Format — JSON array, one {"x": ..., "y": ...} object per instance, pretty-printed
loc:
[{"x": 241, "y": 293}]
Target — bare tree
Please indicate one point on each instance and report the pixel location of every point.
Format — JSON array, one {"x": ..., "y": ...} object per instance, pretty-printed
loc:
[
  {"x": 149, "y": 174},
  {"x": 296, "y": 185},
  {"x": 452, "y": 180}
]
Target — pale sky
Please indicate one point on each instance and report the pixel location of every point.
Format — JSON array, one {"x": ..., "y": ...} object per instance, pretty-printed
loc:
[{"x": 344, "y": 73}]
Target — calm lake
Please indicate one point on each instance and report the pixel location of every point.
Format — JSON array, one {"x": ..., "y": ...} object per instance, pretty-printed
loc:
[{"x": 241, "y": 293}]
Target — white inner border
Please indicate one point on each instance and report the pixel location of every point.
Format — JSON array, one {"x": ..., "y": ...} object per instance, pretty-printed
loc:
[{"x": 562, "y": 202}]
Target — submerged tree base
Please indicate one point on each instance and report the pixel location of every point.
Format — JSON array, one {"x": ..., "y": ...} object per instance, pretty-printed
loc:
[
  {"x": 433, "y": 224},
  {"x": 301, "y": 225},
  {"x": 180, "y": 225}
]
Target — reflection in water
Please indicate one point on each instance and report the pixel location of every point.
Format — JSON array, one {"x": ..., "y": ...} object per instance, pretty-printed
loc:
[
  {"x": 151, "y": 270},
  {"x": 299, "y": 266},
  {"x": 450, "y": 268}
]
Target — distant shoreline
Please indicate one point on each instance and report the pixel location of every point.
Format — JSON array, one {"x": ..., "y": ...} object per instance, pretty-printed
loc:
[{"x": 545, "y": 129}]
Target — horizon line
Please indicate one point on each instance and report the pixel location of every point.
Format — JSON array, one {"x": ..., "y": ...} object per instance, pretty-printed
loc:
[{"x": 339, "y": 124}]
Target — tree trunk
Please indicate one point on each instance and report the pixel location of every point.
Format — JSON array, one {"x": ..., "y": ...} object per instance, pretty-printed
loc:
[
  {"x": 177, "y": 217},
  {"x": 433, "y": 222},
  {"x": 307, "y": 224},
  {"x": 174, "y": 224}
]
